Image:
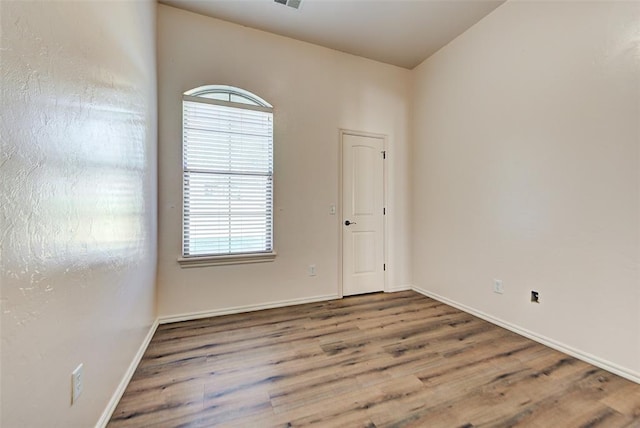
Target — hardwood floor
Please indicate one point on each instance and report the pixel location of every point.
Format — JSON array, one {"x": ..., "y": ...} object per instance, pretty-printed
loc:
[{"x": 379, "y": 360}]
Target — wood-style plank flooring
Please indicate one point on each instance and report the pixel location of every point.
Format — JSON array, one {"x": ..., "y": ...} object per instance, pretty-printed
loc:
[{"x": 379, "y": 360}]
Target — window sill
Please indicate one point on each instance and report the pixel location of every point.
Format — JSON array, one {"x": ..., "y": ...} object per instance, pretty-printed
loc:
[{"x": 234, "y": 259}]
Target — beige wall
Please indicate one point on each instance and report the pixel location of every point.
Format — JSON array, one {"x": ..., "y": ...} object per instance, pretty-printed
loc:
[
  {"x": 77, "y": 203},
  {"x": 315, "y": 91},
  {"x": 526, "y": 168}
]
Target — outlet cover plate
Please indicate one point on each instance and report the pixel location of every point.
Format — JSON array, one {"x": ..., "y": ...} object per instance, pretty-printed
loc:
[
  {"x": 77, "y": 378},
  {"x": 497, "y": 286}
]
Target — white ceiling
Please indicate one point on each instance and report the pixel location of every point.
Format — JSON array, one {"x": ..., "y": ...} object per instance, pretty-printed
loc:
[{"x": 399, "y": 32}]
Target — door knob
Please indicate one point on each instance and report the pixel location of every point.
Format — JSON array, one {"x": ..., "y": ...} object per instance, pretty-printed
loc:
[{"x": 347, "y": 222}]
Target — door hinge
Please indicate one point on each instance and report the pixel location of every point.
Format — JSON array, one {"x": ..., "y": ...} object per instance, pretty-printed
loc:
[
  {"x": 384, "y": 154},
  {"x": 384, "y": 266},
  {"x": 384, "y": 211}
]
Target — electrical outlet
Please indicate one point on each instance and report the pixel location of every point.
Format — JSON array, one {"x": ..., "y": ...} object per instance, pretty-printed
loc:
[
  {"x": 497, "y": 286},
  {"x": 312, "y": 270},
  {"x": 77, "y": 379},
  {"x": 535, "y": 297}
]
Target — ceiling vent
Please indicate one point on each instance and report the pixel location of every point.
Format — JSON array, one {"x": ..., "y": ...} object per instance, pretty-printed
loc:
[{"x": 291, "y": 3}]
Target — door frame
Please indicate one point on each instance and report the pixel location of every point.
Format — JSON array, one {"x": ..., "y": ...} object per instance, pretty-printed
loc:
[{"x": 342, "y": 132}]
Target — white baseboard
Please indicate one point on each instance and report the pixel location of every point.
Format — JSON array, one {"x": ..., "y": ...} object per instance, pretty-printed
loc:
[
  {"x": 558, "y": 346},
  {"x": 404, "y": 287},
  {"x": 240, "y": 309},
  {"x": 122, "y": 386}
]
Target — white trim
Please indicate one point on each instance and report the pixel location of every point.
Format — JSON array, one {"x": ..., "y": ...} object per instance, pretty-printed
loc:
[
  {"x": 226, "y": 89},
  {"x": 551, "y": 343},
  {"x": 385, "y": 210},
  {"x": 124, "y": 382},
  {"x": 241, "y": 309},
  {"x": 241, "y": 106},
  {"x": 232, "y": 259},
  {"x": 340, "y": 278},
  {"x": 402, "y": 287}
]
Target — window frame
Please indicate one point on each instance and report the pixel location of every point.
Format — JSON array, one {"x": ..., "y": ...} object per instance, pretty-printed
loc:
[{"x": 249, "y": 101}]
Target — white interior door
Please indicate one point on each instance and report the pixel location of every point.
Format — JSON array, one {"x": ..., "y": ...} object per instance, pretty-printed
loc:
[{"x": 362, "y": 214}]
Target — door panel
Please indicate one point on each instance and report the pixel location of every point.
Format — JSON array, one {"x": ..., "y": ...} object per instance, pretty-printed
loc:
[
  {"x": 363, "y": 179},
  {"x": 364, "y": 255},
  {"x": 362, "y": 207}
]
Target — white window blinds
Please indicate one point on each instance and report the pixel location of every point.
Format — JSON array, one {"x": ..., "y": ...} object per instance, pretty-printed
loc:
[{"x": 227, "y": 178}]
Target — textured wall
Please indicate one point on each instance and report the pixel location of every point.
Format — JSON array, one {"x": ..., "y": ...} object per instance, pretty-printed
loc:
[
  {"x": 527, "y": 169},
  {"x": 314, "y": 91},
  {"x": 77, "y": 203}
]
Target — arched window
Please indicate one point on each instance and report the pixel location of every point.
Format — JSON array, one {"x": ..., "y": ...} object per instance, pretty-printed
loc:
[{"x": 227, "y": 146}]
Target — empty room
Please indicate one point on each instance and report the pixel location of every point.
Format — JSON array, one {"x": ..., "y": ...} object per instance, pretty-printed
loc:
[{"x": 331, "y": 213}]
